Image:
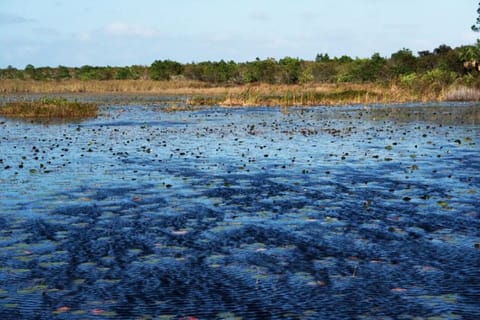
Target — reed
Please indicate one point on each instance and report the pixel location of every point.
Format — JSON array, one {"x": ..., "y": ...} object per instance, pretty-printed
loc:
[
  {"x": 48, "y": 108},
  {"x": 462, "y": 94},
  {"x": 341, "y": 94},
  {"x": 104, "y": 86},
  {"x": 202, "y": 93}
]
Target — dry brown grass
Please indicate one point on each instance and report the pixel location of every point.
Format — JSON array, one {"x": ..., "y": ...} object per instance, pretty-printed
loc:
[
  {"x": 48, "y": 108},
  {"x": 201, "y": 93},
  {"x": 325, "y": 94},
  {"x": 108, "y": 86},
  {"x": 462, "y": 94}
]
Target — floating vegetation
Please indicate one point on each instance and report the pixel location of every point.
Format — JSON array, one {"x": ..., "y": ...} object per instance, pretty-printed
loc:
[
  {"x": 252, "y": 213},
  {"x": 37, "y": 288},
  {"x": 443, "y": 204}
]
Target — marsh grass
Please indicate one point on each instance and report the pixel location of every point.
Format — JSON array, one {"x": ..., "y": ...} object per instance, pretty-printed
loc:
[
  {"x": 49, "y": 108},
  {"x": 196, "y": 93},
  {"x": 104, "y": 86},
  {"x": 296, "y": 95},
  {"x": 462, "y": 94}
]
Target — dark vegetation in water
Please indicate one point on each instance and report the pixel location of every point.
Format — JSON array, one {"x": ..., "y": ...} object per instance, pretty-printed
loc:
[{"x": 320, "y": 213}]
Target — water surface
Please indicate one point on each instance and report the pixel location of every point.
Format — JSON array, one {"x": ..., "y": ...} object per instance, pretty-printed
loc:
[{"x": 317, "y": 213}]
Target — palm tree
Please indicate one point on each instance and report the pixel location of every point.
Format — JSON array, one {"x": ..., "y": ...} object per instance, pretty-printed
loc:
[{"x": 476, "y": 26}]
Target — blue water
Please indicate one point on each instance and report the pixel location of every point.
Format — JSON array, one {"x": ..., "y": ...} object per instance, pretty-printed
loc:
[{"x": 257, "y": 213}]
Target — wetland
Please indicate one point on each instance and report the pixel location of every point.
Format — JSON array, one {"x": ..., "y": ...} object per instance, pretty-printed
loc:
[{"x": 253, "y": 213}]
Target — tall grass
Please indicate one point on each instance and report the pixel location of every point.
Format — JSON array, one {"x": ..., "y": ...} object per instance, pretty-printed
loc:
[
  {"x": 49, "y": 108},
  {"x": 462, "y": 94},
  {"x": 325, "y": 94},
  {"x": 104, "y": 86},
  {"x": 201, "y": 93}
]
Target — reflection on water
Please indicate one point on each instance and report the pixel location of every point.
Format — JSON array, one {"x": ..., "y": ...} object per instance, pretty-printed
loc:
[{"x": 318, "y": 213}]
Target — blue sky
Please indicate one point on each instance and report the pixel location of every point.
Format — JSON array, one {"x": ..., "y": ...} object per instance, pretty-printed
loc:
[{"x": 121, "y": 32}]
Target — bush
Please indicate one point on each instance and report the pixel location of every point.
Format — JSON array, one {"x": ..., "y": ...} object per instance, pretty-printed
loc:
[
  {"x": 439, "y": 76},
  {"x": 164, "y": 70},
  {"x": 409, "y": 80}
]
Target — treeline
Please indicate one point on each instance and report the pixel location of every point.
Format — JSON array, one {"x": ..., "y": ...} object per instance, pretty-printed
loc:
[{"x": 444, "y": 65}]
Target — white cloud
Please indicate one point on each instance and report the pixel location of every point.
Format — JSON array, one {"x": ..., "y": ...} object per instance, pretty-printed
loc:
[{"x": 125, "y": 29}]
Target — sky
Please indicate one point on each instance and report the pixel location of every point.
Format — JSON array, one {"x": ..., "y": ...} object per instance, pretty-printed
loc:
[{"x": 123, "y": 33}]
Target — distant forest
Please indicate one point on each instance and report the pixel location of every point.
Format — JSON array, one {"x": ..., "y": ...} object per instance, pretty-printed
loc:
[{"x": 444, "y": 65}]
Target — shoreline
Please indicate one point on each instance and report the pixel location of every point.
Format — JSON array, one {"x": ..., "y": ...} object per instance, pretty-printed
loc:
[{"x": 189, "y": 94}]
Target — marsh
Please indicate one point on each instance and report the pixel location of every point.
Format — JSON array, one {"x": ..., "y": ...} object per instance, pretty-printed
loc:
[{"x": 254, "y": 213}]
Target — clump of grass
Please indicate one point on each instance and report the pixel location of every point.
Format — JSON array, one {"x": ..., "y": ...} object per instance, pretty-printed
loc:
[
  {"x": 49, "y": 108},
  {"x": 308, "y": 96},
  {"x": 463, "y": 94},
  {"x": 205, "y": 100},
  {"x": 175, "y": 107}
]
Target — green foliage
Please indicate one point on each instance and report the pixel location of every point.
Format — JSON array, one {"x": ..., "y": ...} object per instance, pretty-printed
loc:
[
  {"x": 409, "y": 80},
  {"x": 433, "y": 80},
  {"x": 402, "y": 62},
  {"x": 165, "y": 69},
  {"x": 30, "y": 72},
  {"x": 261, "y": 71},
  {"x": 291, "y": 69},
  {"x": 138, "y": 72},
  {"x": 321, "y": 57},
  {"x": 476, "y": 26},
  {"x": 364, "y": 70},
  {"x": 343, "y": 59},
  {"x": 218, "y": 72},
  {"x": 306, "y": 75},
  {"x": 439, "y": 76},
  {"x": 123, "y": 74},
  {"x": 440, "y": 65},
  {"x": 324, "y": 71},
  {"x": 62, "y": 73},
  {"x": 87, "y": 73},
  {"x": 11, "y": 73},
  {"x": 469, "y": 53}
]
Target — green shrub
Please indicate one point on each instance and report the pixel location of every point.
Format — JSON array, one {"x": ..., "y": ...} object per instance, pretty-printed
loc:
[{"x": 409, "y": 80}]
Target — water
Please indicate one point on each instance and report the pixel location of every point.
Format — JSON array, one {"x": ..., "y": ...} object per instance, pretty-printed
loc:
[{"x": 318, "y": 213}]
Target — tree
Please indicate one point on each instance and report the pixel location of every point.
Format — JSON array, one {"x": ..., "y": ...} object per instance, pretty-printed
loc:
[
  {"x": 343, "y": 59},
  {"x": 402, "y": 62},
  {"x": 164, "y": 70},
  {"x": 447, "y": 59},
  {"x": 30, "y": 71},
  {"x": 62, "y": 72},
  {"x": 476, "y": 26},
  {"x": 261, "y": 71},
  {"x": 10, "y": 73},
  {"x": 324, "y": 71},
  {"x": 322, "y": 57},
  {"x": 469, "y": 52},
  {"x": 86, "y": 72},
  {"x": 123, "y": 73},
  {"x": 291, "y": 68}
]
